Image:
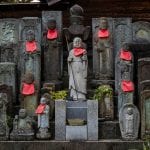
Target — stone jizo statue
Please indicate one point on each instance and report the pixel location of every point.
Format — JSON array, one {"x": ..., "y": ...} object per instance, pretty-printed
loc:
[
  {"x": 77, "y": 68},
  {"x": 43, "y": 112}
]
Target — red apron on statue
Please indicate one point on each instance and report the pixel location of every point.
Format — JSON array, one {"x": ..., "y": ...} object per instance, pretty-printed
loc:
[
  {"x": 78, "y": 51},
  {"x": 103, "y": 33},
  {"x": 127, "y": 86},
  {"x": 40, "y": 109},
  {"x": 28, "y": 89},
  {"x": 31, "y": 46},
  {"x": 125, "y": 55},
  {"x": 52, "y": 34}
]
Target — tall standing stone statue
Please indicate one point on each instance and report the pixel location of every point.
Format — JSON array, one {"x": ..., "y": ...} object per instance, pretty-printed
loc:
[
  {"x": 52, "y": 46},
  {"x": 43, "y": 112},
  {"x": 30, "y": 49},
  {"x": 103, "y": 46},
  {"x": 22, "y": 127},
  {"x": 76, "y": 29},
  {"x": 4, "y": 129},
  {"x": 129, "y": 122},
  {"x": 77, "y": 68},
  {"x": 124, "y": 76},
  {"x": 29, "y": 94}
]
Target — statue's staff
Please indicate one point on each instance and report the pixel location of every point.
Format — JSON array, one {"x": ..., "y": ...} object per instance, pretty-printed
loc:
[{"x": 71, "y": 69}]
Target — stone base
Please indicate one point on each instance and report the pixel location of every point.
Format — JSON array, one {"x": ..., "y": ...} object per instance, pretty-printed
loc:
[
  {"x": 4, "y": 138},
  {"x": 67, "y": 145},
  {"x": 22, "y": 137},
  {"x": 109, "y": 130},
  {"x": 43, "y": 136},
  {"x": 76, "y": 133}
]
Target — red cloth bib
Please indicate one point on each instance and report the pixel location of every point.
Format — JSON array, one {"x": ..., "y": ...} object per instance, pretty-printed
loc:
[
  {"x": 40, "y": 109},
  {"x": 126, "y": 55},
  {"x": 52, "y": 34},
  {"x": 127, "y": 86},
  {"x": 31, "y": 46},
  {"x": 28, "y": 89},
  {"x": 103, "y": 33},
  {"x": 78, "y": 51}
]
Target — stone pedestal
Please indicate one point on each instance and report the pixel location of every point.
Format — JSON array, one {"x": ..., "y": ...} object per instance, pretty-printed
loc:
[{"x": 84, "y": 110}]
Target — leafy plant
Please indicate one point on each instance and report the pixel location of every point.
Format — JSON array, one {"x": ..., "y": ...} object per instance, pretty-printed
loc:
[
  {"x": 59, "y": 95},
  {"x": 103, "y": 91},
  {"x": 146, "y": 144}
]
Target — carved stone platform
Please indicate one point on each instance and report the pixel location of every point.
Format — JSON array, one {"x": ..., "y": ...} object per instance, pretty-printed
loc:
[{"x": 66, "y": 145}]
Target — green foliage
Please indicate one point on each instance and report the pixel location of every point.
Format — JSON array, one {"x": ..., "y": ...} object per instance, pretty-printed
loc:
[
  {"x": 146, "y": 144},
  {"x": 59, "y": 95},
  {"x": 102, "y": 91}
]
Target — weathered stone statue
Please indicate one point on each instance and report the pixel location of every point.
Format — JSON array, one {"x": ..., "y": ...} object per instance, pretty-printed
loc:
[
  {"x": 22, "y": 127},
  {"x": 103, "y": 45},
  {"x": 4, "y": 129},
  {"x": 76, "y": 29},
  {"x": 30, "y": 48},
  {"x": 124, "y": 76},
  {"x": 29, "y": 94},
  {"x": 31, "y": 51},
  {"x": 8, "y": 76},
  {"x": 124, "y": 65},
  {"x": 77, "y": 68},
  {"x": 43, "y": 112},
  {"x": 129, "y": 122},
  {"x": 52, "y": 46}
]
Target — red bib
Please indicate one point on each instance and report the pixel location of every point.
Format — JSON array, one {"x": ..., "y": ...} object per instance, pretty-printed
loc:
[
  {"x": 52, "y": 34},
  {"x": 28, "y": 89},
  {"x": 78, "y": 51},
  {"x": 103, "y": 33},
  {"x": 126, "y": 55},
  {"x": 127, "y": 86},
  {"x": 40, "y": 109},
  {"x": 31, "y": 46}
]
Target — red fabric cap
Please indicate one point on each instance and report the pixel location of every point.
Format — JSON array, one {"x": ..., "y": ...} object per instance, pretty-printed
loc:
[
  {"x": 126, "y": 55},
  {"x": 40, "y": 109},
  {"x": 28, "y": 89},
  {"x": 103, "y": 33},
  {"x": 127, "y": 86},
  {"x": 31, "y": 46},
  {"x": 78, "y": 51},
  {"x": 52, "y": 34}
]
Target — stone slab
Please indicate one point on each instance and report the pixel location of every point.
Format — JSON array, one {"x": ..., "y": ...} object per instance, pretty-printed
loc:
[
  {"x": 60, "y": 120},
  {"x": 76, "y": 109},
  {"x": 92, "y": 119},
  {"x": 78, "y": 133}
]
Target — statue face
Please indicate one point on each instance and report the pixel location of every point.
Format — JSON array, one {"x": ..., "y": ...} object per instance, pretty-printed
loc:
[
  {"x": 103, "y": 24},
  {"x": 22, "y": 113},
  {"x": 77, "y": 42},
  {"x": 28, "y": 78},
  {"x": 130, "y": 111},
  {"x": 51, "y": 24},
  {"x": 125, "y": 47},
  {"x": 30, "y": 36},
  {"x": 43, "y": 100}
]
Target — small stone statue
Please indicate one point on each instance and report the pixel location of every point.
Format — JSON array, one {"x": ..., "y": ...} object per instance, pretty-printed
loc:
[
  {"x": 129, "y": 121},
  {"x": 77, "y": 68},
  {"x": 29, "y": 94},
  {"x": 103, "y": 45},
  {"x": 4, "y": 130},
  {"x": 22, "y": 127},
  {"x": 76, "y": 29},
  {"x": 52, "y": 53},
  {"x": 43, "y": 111}
]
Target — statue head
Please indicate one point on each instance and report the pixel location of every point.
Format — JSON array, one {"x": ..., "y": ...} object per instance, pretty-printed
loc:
[
  {"x": 77, "y": 42},
  {"x": 28, "y": 78},
  {"x": 125, "y": 46},
  {"x": 103, "y": 24},
  {"x": 76, "y": 10},
  {"x": 129, "y": 111},
  {"x": 30, "y": 36},
  {"x": 22, "y": 113},
  {"x": 51, "y": 23},
  {"x": 43, "y": 100}
]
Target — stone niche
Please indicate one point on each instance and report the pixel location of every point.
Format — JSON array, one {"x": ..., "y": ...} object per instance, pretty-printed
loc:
[{"x": 76, "y": 110}]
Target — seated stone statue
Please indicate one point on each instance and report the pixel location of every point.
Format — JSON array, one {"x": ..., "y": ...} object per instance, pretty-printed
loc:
[
  {"x": 22, "y": 127},
  {"x": 43, "y": 118}
]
